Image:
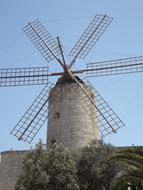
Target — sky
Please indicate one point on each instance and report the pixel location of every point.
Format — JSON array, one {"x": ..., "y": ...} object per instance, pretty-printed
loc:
[{"x": 68, "y": 19}]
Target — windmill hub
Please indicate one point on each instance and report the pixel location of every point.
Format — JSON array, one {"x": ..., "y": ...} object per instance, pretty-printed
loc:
[{"x": 66, "y": 79}]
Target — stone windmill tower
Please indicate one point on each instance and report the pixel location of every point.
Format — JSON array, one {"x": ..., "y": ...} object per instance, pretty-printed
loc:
[
  {"x": 76, "y": 112},
  {"x": 69, "y": 122}
]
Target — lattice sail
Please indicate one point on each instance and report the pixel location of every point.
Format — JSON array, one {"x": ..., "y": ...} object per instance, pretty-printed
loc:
[
  {"x": 115, "y": 67},
  {"x": 42, "y": 39},
  {"x": 101, "y": 113},
  {"x": 91, "y": 35},
  {"x": 23, "y": 76},
  {"x": 33, "y": 119}
]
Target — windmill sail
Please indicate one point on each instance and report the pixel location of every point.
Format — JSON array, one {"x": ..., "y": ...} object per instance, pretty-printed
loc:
[
  {"x": 34, "y": 117},
  {"x": 23, "y": 76},
  {"x": 115, "y": 67},
  {"x": 107, "y": 119},
  {"x": 91, "y": 35},
  {"x": 98, "y": 109},
  {"x": 39, "y": 36}
]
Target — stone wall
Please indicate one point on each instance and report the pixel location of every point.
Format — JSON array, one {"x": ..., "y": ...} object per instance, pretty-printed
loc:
[
  {"x": 68, "y": 122},
  {"x": 10, "y": 168}
]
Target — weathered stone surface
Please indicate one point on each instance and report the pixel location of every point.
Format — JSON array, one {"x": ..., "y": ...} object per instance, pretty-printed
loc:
[
  {"x": 69, "y": 123},
  {"x": 10, "y": 168}
]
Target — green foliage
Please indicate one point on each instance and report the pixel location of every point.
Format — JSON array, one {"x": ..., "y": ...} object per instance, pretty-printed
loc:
[
  {"x": 33, "y": 175},
  {"x": 61, "y": 167},
  {"x": 95, "y": 169},
  {"x": 52, "y": 169},
  {"x": 132, "y": 174},
  {"x": 132, "y": 157}
]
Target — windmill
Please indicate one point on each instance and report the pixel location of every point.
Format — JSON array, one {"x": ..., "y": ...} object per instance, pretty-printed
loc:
[{"x": 76, "y": 112}]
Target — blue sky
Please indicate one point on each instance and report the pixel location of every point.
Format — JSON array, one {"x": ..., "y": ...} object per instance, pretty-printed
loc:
[{"x": 68, "y": 19}]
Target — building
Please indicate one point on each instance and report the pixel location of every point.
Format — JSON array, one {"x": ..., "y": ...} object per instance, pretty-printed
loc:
[{"x": 10, "y": 168}]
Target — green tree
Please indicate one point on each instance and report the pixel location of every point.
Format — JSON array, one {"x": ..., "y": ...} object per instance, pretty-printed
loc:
[
  {"x": 95, "y": 169},
  {"x": 51, "y": 169},
  {"x": 131, "y": 173},
  {"x": 61, "y": 167},
  {"x": 33, "y": 174}
]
